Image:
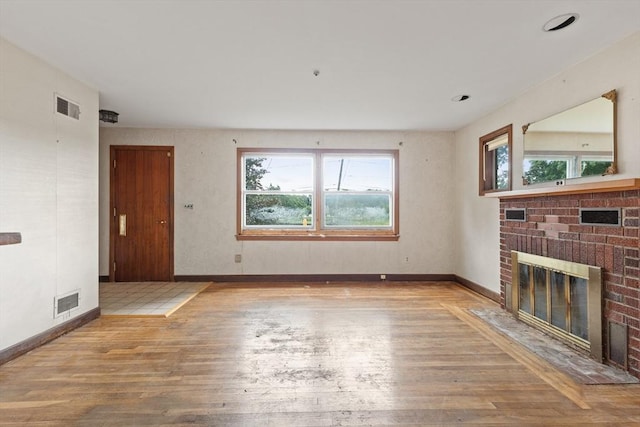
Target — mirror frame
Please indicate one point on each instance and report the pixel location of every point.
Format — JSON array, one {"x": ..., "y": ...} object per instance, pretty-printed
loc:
[
  {"x": 613, "y": 167},
  {"x": 487, "y": 165}
]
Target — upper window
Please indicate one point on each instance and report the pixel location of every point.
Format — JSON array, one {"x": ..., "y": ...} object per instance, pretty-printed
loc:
[
  {"x": 310, "y": 194},
  {"x": 495, "y": 160}
]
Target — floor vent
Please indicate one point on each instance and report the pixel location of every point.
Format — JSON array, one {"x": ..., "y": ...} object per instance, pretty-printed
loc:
[
  {"x": 67, "y": 108},
  {"x": 515, "y": 214},
  {"x": 66, "y": 303},
  {"x": 600, "y": 216}
]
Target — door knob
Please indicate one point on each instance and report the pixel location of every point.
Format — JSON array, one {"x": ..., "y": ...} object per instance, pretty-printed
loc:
[{"x": 162, "y": 221}]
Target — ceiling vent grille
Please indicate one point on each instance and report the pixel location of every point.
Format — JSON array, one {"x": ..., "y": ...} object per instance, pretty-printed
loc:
[
  {"x": 67, "y": 108},
  {"x": 66, "y": 303}
]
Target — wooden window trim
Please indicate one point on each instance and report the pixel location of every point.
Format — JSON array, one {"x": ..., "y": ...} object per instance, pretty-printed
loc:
[
  {"x": 485, "y": 183},
  {"x": 319, "y": 234}
]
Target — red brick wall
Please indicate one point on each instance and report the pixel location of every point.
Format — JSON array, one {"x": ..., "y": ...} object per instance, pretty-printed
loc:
[{"x": 552, "y": 229}]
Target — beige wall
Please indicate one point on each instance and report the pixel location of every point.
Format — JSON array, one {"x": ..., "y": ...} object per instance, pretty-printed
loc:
[
  {"x": 477, "y": 218},
  {"x": 48, "y": 192},
  {"x": 49, "y": 189},
  {"x": 205, "y": 176}
]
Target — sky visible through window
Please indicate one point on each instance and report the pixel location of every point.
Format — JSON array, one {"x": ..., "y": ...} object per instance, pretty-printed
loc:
[
  {"x": 358, "y": 173},
  {"x": 289, "y": 173},
  {"x": 361, "y": 173}
]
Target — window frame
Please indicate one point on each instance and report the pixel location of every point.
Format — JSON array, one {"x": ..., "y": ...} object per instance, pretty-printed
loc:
[
  {"x": 317, "y": 231},
  {"x": 488, "y": 163}
]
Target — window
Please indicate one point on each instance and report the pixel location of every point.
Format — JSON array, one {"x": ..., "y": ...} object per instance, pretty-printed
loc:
[
  {"x": 547, "y": 166},
  {"x": 538, "y": 169},
  {"x": 495, "y": 160},
  {"x": 317, "y": 194}
]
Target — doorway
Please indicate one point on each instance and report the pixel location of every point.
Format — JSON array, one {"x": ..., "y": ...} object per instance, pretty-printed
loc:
[{"x": 141, "y": 231}]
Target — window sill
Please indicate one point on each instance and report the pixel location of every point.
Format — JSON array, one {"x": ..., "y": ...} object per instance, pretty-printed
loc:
[
  {"x": 331, "y": 236},
  {"x": 488, "y": 193}
]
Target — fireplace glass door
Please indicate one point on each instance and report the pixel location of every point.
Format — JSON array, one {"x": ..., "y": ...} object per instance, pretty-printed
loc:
[
  {"x": 559, "y": 306},
  {"x": 556, "y": 298},
  {"x": 561, "y": 298},
  {"x": 579, "y": 315},
  {"x": 540, "y": 296}
]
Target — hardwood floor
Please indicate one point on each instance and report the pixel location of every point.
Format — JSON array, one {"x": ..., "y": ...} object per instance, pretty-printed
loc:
[{"x": 295, "y": 355}]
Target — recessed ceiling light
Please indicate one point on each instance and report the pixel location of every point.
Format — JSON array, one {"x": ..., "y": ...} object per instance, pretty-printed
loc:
[
  {"x": 560, "y": 22},
  {"x": 460, "y": 98}
]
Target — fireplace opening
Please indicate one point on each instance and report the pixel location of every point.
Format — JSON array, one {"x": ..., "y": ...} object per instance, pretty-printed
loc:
[{"x": 562, "y": 298}]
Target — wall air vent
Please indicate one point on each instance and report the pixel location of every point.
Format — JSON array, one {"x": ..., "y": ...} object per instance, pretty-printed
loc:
[
  {"x": 65, "y": 303},
  {"x": 605, "y": 216},
  {"x": 67, "y": 108},
  {"x": 515, "y": 214}
]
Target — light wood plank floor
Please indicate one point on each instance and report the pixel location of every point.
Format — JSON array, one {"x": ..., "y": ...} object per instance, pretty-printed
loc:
[{"x": 317, "y": 355}]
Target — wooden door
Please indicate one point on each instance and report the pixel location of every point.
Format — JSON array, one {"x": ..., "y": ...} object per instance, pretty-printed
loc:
[{"x": 141, "y": 214}]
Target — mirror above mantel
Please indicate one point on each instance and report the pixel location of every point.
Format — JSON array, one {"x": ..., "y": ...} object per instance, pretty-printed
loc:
[{"x": 575, "y": 143}]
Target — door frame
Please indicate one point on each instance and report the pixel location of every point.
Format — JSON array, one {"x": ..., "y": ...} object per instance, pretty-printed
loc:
[{"x": 113, "y": 226}]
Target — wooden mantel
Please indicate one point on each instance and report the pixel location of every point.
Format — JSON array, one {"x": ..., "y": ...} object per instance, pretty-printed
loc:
[
  {"x": 10, "y": 238},
  {"x": 560, "y": 190}
]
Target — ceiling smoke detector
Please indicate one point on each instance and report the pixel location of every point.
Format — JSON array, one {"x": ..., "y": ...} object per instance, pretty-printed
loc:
[{"x": 560, "y": 22}]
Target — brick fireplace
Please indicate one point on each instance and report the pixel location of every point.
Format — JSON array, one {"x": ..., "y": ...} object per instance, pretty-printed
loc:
[{"x": 552, "y": 224}]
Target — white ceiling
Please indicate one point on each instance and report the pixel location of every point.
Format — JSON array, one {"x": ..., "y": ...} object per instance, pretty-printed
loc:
[{"x": 249, "y": 64}]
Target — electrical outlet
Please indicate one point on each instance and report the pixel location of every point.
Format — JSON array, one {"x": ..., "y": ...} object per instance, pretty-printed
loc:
[
  {"x": 406, "y": 260},
  {"x": 383, "y": 277},
  {"x": 238, "y": 258}
]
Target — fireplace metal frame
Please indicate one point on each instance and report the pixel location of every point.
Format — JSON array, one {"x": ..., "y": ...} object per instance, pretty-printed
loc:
[{"x": 593, "y": 275}]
